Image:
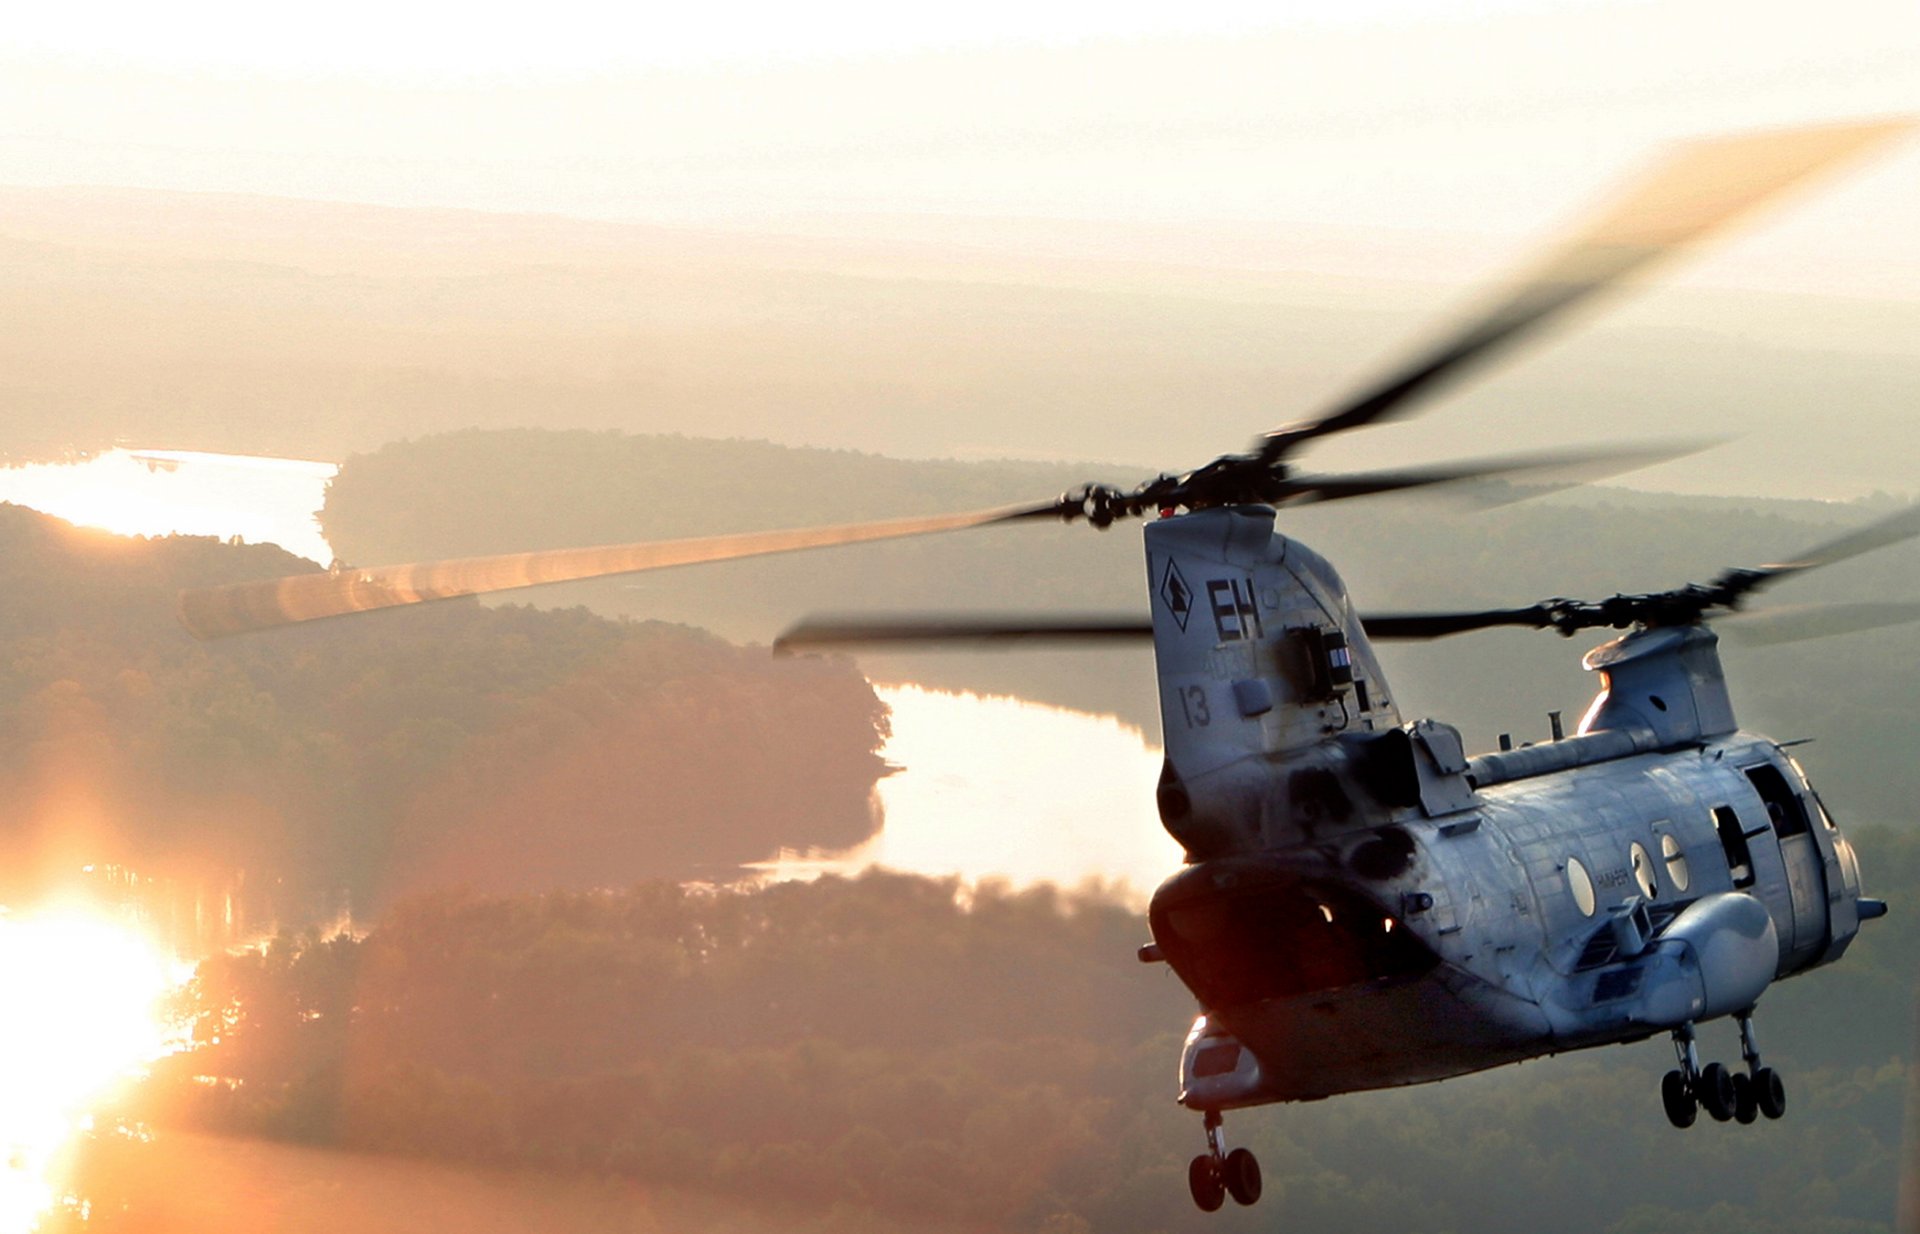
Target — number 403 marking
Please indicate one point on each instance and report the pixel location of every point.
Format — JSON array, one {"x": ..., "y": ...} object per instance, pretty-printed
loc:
[{"x": 1193, "y": 707}]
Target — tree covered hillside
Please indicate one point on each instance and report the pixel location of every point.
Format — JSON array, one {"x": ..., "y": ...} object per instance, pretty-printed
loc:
[
  {"x": 887, "y": 1052},
  {"x": 305, "y": 770}
]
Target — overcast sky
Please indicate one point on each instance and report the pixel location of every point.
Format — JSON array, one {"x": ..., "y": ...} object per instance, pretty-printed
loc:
[{"x": 1495, "y": 117}]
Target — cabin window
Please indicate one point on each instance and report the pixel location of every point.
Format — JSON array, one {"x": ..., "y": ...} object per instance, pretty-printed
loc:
[
  {"x": 1580, "y": 884},
  {"x": 1734, "y": 841},
  {"x": 1643, "y": 871},
  {"x": 1676, "y": 861}
]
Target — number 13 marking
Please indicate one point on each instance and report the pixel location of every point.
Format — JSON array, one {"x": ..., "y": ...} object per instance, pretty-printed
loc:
[{"x": 1193, "y": 706}]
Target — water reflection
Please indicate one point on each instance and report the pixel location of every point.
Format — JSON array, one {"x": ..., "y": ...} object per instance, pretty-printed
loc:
[
  {"x": 83, "y": 987},
  {"x": 157, "y": 492},
  {"x": 1002, "y": 787}
]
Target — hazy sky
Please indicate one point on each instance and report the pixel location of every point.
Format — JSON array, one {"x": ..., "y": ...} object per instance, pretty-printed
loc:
[{"x": 1496, "y": 117}]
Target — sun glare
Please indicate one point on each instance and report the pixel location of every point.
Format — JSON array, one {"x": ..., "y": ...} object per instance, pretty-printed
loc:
[{"x": 83, "y": 991}]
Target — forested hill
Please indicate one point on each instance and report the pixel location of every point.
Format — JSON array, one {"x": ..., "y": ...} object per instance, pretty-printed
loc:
[
  {"x": 882, "y": 1053},
  {"x": 507, "y": 748},
  {"x": 486, "y": 492}
]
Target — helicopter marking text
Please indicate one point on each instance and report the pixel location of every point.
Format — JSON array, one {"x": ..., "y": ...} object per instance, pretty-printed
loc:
[{"x": 1234, "y": 614}]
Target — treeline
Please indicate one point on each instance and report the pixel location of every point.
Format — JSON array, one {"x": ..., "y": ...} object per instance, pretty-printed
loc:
[
  {"x": 888, "y": 1049},
  {"x": 523, "y": 489},
  {"x": 341, "y": 764}
]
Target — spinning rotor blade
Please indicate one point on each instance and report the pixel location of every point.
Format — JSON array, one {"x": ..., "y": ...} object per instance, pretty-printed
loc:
[
  {"x": 814, "y": 633},
  {"x": 1903, "y": 524},
  {"x": 1900, "y": 525},
  {"x": 1800, "y": 623},
  {"x": 1418, "y": 627},
  {"x": 1558, "y": 470},
  {"x": 818, "y": 633},
  {"x": 1700, "y": 187},
  {"x": 240, "y": 607}
]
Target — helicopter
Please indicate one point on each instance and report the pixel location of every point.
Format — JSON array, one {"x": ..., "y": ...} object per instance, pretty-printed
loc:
[{"x": 1363, "y": 905}]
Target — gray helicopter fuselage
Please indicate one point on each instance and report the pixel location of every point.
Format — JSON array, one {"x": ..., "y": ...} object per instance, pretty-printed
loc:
[{"x": 1365, "y": 906}]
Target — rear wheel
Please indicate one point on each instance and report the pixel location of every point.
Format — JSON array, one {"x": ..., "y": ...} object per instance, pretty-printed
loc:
[
  {"x": 1242, "y": 1176},
  {"x": 1716, "y": 1091},
  {"x": 1203, "y": 1179},
  {"x": 1746, "y": 1106},
  {"x": 1681, "y": 1108}
]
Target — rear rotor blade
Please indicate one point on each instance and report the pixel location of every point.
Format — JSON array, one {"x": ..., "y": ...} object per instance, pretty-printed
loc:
[
  {"x": 218, "y": 611},
  {"x": 1697, "y": 189},
  {"x": 1563, "y": 469},
  {"x": 818, "y": 633}
]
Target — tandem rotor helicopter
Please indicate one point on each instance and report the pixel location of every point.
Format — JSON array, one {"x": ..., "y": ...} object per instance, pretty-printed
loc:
[{"x": 1363, "y": 905}]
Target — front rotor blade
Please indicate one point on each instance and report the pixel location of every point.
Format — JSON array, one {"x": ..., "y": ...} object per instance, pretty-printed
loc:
[
  {"x": 1697, "y": 189},
  {"x": 1558, "y": 470},
  {"x": 817, "y": 633},
  {"x": 1773, "y": 626},
  {"x": 1901, "y": 525},
  {"x": 217, "y": 611}
]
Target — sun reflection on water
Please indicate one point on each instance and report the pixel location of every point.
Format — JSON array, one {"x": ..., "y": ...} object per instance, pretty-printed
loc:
[
  {"x": 159, "y": 492},
  {"x": 998, "y": 787},
  {"x": 84, "y": 991}
]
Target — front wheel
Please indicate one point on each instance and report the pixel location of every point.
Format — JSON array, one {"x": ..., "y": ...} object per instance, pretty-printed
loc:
[
  {"x": 1203, "y": 1179},
  {"x": 1242, "y": 1175},
  {"x": 1769, "y": 1092},
  {"x": 1681, "y": 1108}
]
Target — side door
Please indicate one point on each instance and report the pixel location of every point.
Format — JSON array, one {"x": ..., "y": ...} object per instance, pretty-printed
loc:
[{"x": 1806, "y": 878}]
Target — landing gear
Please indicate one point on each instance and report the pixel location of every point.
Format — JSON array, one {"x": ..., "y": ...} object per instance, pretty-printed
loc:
[
  {"x": 1216, "y": 1174},
  {"x": 1725, "y": 1095}
]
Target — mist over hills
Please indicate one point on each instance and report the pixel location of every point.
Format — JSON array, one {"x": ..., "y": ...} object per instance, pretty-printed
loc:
[{"x": 315, "y": 329}]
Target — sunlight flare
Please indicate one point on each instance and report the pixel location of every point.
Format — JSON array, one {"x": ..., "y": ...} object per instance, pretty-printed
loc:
[{"x": 84, "y": 992}]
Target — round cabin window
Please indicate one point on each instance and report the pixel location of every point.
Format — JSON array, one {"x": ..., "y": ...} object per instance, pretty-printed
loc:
[
  {"x": 1580, "y": 883},
  {"x": 1676, "y": 862},
  {"x": 1643, "y": 871}
]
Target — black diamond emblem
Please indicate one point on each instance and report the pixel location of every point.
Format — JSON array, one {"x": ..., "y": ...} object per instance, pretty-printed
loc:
[{"x": 1175, "y": 594}]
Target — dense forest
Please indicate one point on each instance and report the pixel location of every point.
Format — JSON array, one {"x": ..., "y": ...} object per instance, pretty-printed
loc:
[
  {"x": 524, "y": 489},
  {"x": 333, "y": 767},
  {"x": 895, "y": 1050}
]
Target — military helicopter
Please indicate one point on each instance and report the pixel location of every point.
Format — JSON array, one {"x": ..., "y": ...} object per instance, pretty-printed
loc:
[{"x": 1363, "y": 905}]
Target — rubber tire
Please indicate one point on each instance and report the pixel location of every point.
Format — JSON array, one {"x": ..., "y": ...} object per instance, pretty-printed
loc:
[
  {"x": 1681, "y": 1108},
  {"x": 1769, "y": 1093},
  {"x": 1203, "y": 1179},
  {"x": 1746, "y": 1103},
  {"x": 1716, "y": 1091},
  {"x": 1242, "y": 1175}
]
